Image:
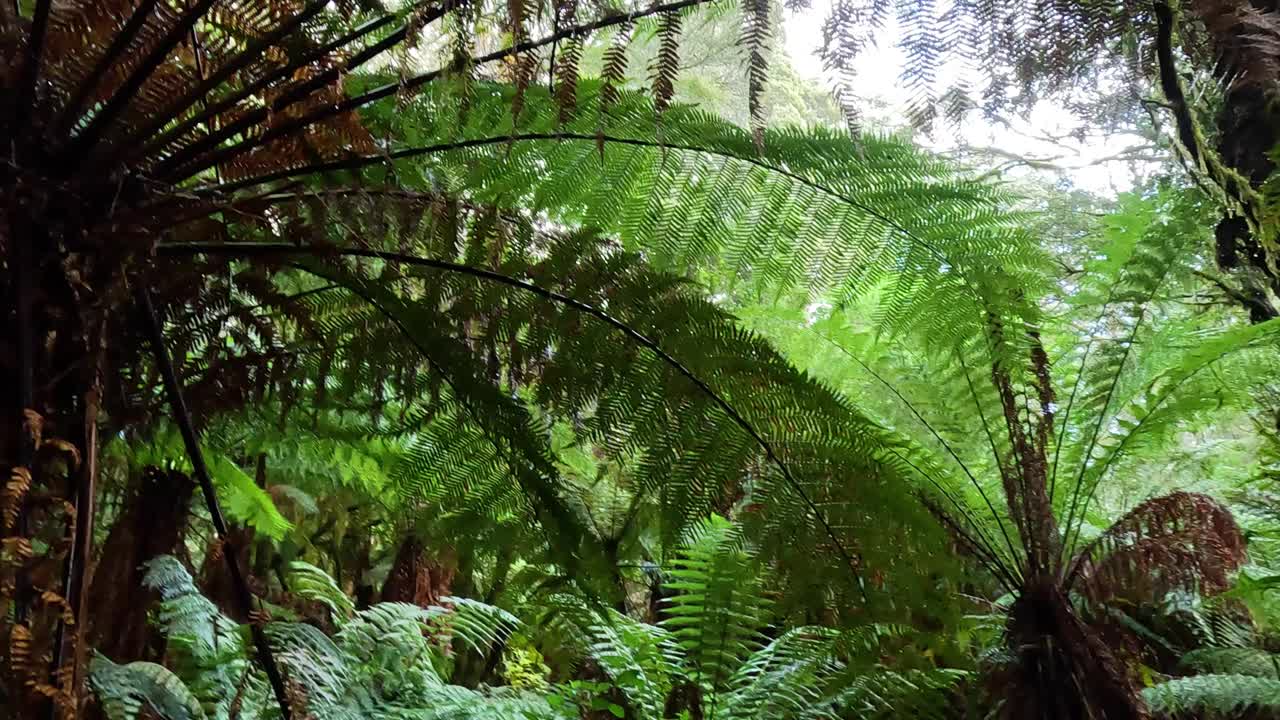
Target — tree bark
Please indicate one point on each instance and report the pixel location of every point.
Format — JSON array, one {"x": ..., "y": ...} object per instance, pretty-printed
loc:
[
  {"x": 153, "y": 523},
  {"x": 416, "y": 578}
]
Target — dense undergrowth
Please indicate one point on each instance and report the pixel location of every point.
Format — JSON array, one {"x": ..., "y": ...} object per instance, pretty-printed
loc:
[{"x": 461, "y": 360}]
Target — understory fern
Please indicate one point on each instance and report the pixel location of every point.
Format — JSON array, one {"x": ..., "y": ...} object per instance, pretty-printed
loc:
[
  {"x": 1215, "y": 696},
  {"x": 390, "y": 660}
]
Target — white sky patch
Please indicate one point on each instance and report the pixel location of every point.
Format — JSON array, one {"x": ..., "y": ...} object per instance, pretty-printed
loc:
[{"x": 1088, "y": 163}]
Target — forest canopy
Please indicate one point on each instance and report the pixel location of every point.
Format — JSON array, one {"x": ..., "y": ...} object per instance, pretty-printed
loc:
[{"x": 556, "y": 360}]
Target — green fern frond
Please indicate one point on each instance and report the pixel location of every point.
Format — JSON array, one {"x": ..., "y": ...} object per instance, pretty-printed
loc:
[
  {"x": 477, "y": 624},
  {"x": 787, "y": 678},
  {"x": 717, "y": 611},
  {"x": 815, "y": 209},
  {"x": 126, "y": 691},
  {"x": 311, "y": 583},
  {"x": 1233, "y": 661},
  {"x": 1214, "y": 696}
]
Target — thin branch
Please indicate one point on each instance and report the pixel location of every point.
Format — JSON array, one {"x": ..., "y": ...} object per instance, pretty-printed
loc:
[
  {"x": 183, "y": 419},
  {"x": 121, "y": 41},
  {"x": 292, "y": 96},
  {"x": 155, "y": 145},
  {"x": 251, "y": 249},
  {"x": 31, "y": 64},
  {"x": 251, "y": 53},
  {"x": 1097, "y": 428}
]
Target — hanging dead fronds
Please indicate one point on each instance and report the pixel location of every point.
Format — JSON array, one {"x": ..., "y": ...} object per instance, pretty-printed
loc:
[{"x": 1180, "y": 541}]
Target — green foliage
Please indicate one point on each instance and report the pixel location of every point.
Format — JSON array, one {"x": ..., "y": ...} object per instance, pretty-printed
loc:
[
  {"x": 1218, "y": 696},
  {"x": 241, "y": 498},
  {"x": 311, "y": 583},
  {"x": 1233, "y": 661},
  {"x": 125, "y": 691},
  {"x": 390, "y": 660},
  {"x": 718, "y": 609},
  {"x": 812, "y": 208}
]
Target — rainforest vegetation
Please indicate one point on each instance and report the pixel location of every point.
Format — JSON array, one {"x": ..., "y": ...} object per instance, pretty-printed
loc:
[{"x": 555, "y": 359}]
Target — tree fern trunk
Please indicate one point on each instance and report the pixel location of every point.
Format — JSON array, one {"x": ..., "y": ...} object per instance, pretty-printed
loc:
[
  {"x": 153, "y": 523},
  {"x": 416, "y": 577},
  {"x": 1060, "y": 668}
]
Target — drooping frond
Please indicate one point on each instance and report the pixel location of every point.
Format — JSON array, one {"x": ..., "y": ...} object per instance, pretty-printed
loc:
[
  {"x": 643, "y": 661},
  {"x": 1178, "y": 541},
  {"x": 816, "y": 209},
  {"x": 920, "y": 693},
  {"x": 1233, "y": 661},
  {"x": 786, "y": 678},
  {"x": 139, "y": 689},
  {"x": 1214, "y": 696},
  {"x": 690, "y": 443},
  {"x": 311, "y": 583}
]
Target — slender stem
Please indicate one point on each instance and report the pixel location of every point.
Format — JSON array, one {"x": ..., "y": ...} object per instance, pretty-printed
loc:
[
  {"x": 74, "y": 569},
  {"x": 86, "y": 514},
  {"x": 293, "y": 95},
  {"x": 1102, "y": 415},
  {"x": 244, "y": 599},
  {"x": 24, "y": 289},
  {"x": 31, "y": 64},
  {"x": 367, "y": 160},
  {"x": 936, "y": 435},
  {"x": 249, "y": 249},
  {"x": 252, "y": 52}
]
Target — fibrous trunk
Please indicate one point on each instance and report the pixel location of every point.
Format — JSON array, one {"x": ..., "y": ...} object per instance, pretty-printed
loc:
[
  {"x": 1060, "y": 668},
  {"x": 153, "y": 523},
  {"x": 415, "y": 577}
]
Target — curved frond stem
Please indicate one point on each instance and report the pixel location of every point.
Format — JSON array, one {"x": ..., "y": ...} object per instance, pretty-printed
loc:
[
  {"x": 104, "y": 118},
  {"x": 121, "y": 41},
  {"x": 1102, "y": 415},
  {"x": 447, "y": 379},
  {"x": 991, "y": 441},
  {"x": 31, "y": 63},
  {"x": 986, "y": 499},
  {"x": 1124, "y": 442},
  {"x": 367, "y": 160},
  {"x": 181, "y": 173},
  {"x": 246, "y": 310},
  {"x": 982, "y": 414},
  {"x": 182, "y": 417},
  {"x": 249, "y": 249},
  {"x": 978, "y": 540},
  {"x": 1075, "y": 388}
]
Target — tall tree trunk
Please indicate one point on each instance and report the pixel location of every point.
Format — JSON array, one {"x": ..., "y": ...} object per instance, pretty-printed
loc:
[{"x": 153, "y": 523}]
